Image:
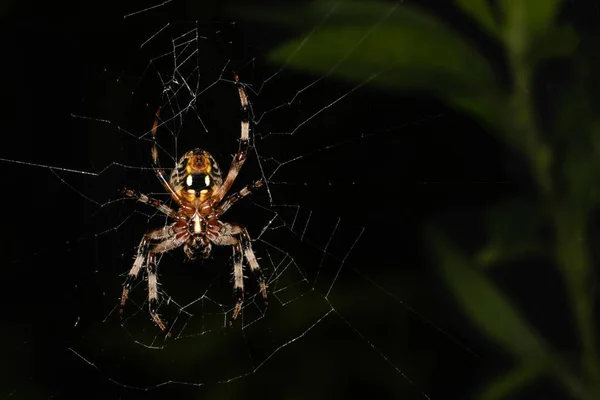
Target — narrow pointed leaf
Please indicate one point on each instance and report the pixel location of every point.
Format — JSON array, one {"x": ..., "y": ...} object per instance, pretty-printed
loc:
[
  {"x": 515, "y": 229},
  {"x": 506, "y": 385},
  {"x": 487, "y": 306},
  {"x": 404, "y": 48}
]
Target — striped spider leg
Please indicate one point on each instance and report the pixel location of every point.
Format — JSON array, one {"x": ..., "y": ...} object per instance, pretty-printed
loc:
[
  {"x": 155, "y": 242},
  {"x": 197, "y": 187}
]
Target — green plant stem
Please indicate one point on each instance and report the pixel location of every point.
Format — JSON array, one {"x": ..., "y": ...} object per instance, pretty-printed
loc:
[
  {"x": 538, "y": 152},
  {"x": 574, "y": 264},
  {"x": 572, "y": 252},
  {"x": 523, "y": 130}
]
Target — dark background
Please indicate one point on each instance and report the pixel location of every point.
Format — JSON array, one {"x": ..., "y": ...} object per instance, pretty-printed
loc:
[{"x": 408, "y": 160}]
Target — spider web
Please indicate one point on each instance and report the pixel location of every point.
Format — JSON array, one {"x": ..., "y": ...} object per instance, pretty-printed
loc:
[{"x": 339, "y": 288}]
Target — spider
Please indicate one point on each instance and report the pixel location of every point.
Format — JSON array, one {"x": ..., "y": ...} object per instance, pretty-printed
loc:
[{"x": 197, "y": 186}]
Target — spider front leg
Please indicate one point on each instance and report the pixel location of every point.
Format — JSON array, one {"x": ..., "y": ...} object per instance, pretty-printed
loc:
[
  {"x": 235, "y": 197},
  {"x": 240, "y": 157},
  {"x": 160, "y": 174},
  {"x": 158, "y": 204}
]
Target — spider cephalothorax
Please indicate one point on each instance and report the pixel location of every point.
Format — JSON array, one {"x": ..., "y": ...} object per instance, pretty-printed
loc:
[{"x": 198, "y": 188}]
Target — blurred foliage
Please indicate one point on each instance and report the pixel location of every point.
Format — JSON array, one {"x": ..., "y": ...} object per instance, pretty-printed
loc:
[{"x": 404, "y": 47}]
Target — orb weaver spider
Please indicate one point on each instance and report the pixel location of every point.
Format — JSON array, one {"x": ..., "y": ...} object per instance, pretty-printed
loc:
[{"x": 197, "y": 187}]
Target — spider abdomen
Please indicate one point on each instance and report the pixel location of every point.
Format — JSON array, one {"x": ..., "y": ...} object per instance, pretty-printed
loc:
[{"x": 196, "y": 177}]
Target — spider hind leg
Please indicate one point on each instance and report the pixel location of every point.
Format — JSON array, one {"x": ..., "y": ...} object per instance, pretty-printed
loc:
[
  {"x": 140, "y": 258},
  {"x": 237, "y": 236},
  {"x": 154, "y": 242},
  {"x": 238, "y": 282},
  {"x": 153, "y": 294},
  {"x": 254, "y": 266}
]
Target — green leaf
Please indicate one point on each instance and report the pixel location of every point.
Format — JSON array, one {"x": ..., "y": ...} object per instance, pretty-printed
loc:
[
  {"x": 507, "y": 384},
  {"x": 481, "y": 12},
  {"x": 515, "y": 229},
  {"x": 500, "y": 321},
  {"x": 487, "y": 307},
  {"x": 401, "y": 48}
]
